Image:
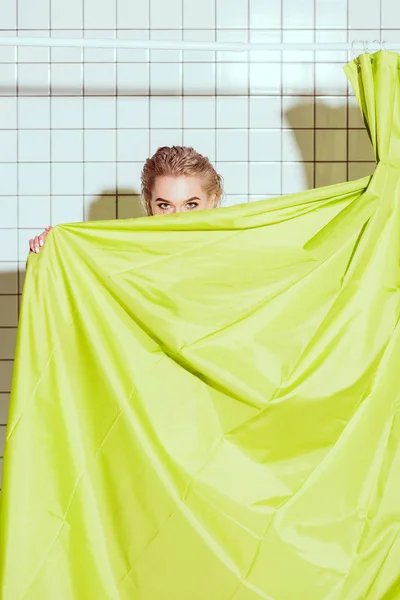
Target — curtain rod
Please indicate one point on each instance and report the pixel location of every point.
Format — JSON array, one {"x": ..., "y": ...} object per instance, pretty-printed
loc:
[{"x": 170, "y": 45}]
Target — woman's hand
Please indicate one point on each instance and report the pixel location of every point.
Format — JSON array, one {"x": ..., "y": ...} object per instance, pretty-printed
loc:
[{"x": 37, "y": 242}]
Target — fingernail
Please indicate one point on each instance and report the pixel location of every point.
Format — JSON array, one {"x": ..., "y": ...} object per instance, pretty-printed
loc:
[
  {"x": 41, "y": 242},
  {"x": 37, "y": 249}
]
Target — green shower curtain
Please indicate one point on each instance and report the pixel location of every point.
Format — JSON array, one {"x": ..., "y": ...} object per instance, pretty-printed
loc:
[{"x": 206, "y": 406}]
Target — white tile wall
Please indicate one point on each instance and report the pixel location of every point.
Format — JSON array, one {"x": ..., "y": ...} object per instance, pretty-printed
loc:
[{"x": 75, "y": 127}]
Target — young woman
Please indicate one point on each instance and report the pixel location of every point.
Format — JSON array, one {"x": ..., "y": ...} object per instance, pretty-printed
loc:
[{"x": 176, "y": 179}]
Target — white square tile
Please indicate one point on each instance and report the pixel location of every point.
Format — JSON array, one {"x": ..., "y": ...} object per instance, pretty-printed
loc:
[
  {"x": 8, "y": 311},
  {"x": 235, "y": 176},
  {"x": 265, "y": 78},
  {"x": 66, "y": 178},
  {"x": 100, "y": 178},
  {"x": 66, "y": 80},
  {"x": 331, "y": 145},
  {"x": 7, "y": 351},
  {"x": 297, "y": 177},
  {"x": 166, "y": 15},
  {"x": 232, "y": 111},
  {"x": 66, "y": 15},
  {"x": 265, "y": 112},
  {"x": 100, "y": 14},
  {"x": 100, "y": 55},
  {"x": 234, "y": 200},
  {"x": 9, "y": 246},
  {"x": 100, "y": 145},
  {"x": 8, "y": 80},
  {"x": 66, "y": 145},
  {"x": 100, "y": 208},
  {"x": 66, "y": 209},
  {"x": 330, "y": 80},
  {"x": 32, "y": 54},
  {"x": 8, "y": 113},
  {"x": 298, "y": 36},
  {"x": 231, "y": 15},
  {"x": 34, "y": 145},
  {"x": 199, "y": 15},
  {"x": 260, "y": 197},
  {"x": 360, "y": 147},
  {"x": 232, "y": 36},
  {"x": 33, "y": 15},
  {"x": 34, "y": 178},
  {"x": 298, "y": 145},
  {"x": 130, "y": 207},
  {"x": 331, "y": 14},
  {"x": 100, "y": 112},
  {"x": 8, "y": 178},
  {"x": 165, "y": 137},
  {"x": 298, "y": 16},
  {"x": 390, "y": 15},
  {"x": 33, "y": 113},
  {"x": 298, "y": 112},
  {"x": 232, "y": 145},
  {"x": 133, "y": 79},
  {"x": 166, "y": 79},
  {"x": 331, "y": 112},
  {"x": 73, "y": 54},
  {"x": 265, "y": 145},
  {"x": 33, "y": 80},
  {"x": 265, "y": 178},
  {"x": 8, "y": 146},
  {"x": 199, "y": 112},
  {"x": 298, "y": 79},
  {"x": 128, "y": 177},
  {"x": 265, "y": 15},
  {"x": 359, "y": 18},
  {"x": 133, "y": 15},
  {"x": 8, "y": 54},
  {"x": 232, "y": 79},
  {"x": 34, "y": 211},
  {"x": 265, "y": 37},
  {"x": 333, "y": 36},
  {"x": 329, "y": 173},
  {"x": 198, "y": 35},
  {"x": 8, "y": 14},
  {"x": 169, "y": 56},
  {"x": 355, "y": 115},
  {"x": 67, "y": 113},
  {"x": 133, "y": 145},
  {"x": 100, "y": 79},
  {"x": 8, "y": 211},
  {"x": 133, "y": 112},
  {"x": 360, "y": 170},
  {"x": 199, "y": 79},
  {"x": 130, "y": 55},
  {"x": 8, "y": 278},
  {"x": 202, "y": 140},
  {"x": 165, "y": 112}
]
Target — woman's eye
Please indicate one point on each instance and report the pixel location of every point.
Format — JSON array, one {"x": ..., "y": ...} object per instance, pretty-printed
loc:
[
  {"x": 192, "y": 205},
  {"x": 164, "y": 206}
]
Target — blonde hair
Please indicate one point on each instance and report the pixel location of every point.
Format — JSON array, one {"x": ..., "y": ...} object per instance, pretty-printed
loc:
[{"x": 177, "y": 161}]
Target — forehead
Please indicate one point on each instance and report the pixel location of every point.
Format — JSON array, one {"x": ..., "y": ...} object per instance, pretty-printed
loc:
[{"x": 175, "y": 189}]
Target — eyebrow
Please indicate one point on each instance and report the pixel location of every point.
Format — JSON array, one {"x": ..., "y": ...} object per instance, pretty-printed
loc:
[{"x": 168, "y": 201}]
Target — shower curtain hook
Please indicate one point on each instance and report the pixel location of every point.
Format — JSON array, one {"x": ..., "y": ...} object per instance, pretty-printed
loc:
[
  {"x": 365, "y": 46},
  {"x": 354, "y": 50},
  {"x": 383, "y": 46}
]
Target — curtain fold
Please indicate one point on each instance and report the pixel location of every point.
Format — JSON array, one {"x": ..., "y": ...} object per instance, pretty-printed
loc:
[{"x": 206, "y": 406}]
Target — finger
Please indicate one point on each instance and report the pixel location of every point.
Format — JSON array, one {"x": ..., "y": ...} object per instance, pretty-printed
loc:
[
  {"x": 31, "y": 245},
  {"x": 48, "y": 228},
  {"x": 36, "y": 244},
  {"x": 42, "y": 237}
]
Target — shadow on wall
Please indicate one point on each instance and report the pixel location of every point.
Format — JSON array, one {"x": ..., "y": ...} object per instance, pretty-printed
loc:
[{"x": 327, "y": 141}]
